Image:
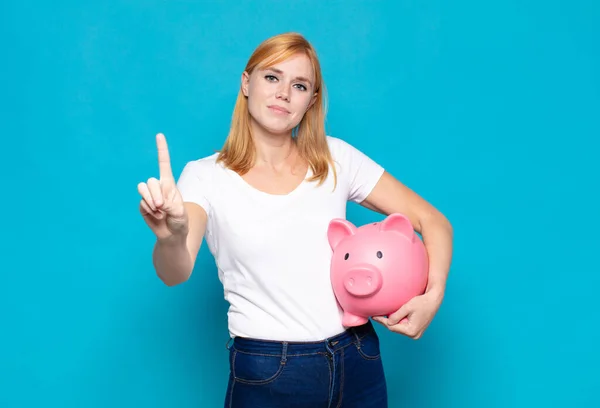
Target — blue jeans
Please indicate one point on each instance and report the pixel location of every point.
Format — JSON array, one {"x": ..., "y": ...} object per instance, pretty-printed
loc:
[{"x": 342, "y": 371}]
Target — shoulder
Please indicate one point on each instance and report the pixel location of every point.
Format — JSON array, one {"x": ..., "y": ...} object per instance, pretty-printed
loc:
[
  {"x": 197, "y": 179},
  {"x": 338, "y": 148},
  {"x": 336, "y": 144},
  {"x": 202, "y": 165},
  {"x": 342, "y": 151},
  {"x": 201, "y": 171}
]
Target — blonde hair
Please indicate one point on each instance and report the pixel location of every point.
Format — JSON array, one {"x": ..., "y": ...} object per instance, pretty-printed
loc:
[{"x": 238, "y": 151}]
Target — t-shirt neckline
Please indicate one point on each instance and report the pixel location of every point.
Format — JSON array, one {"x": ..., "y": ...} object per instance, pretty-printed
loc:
[{"x": 258, "y": 192}]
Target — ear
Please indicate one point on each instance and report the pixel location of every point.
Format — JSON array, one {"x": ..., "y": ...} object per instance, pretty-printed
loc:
[
  {"x": 399, "y": 223},
  {"x": 245, "y": 83},
  {"x": 338, "y": 230}
]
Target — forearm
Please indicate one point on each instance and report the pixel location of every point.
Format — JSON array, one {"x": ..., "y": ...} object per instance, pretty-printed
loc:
[
  {"x": 172, "y": 260},
  {"x": 438, "y": 239}
]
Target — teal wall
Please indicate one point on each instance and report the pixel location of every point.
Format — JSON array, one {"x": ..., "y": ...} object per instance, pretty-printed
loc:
[{"x": 490, "y": 110}]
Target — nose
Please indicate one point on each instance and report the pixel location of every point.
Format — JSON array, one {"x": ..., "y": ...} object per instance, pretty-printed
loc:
[
  {"x": 282, "y": 93},
  {"x": 363, "y": 281}
]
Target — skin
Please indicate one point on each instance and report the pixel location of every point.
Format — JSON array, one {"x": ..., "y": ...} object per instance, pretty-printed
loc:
[{"x": 278, "y": 97}]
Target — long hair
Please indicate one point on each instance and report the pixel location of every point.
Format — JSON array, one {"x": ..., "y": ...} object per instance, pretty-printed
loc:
[{"x": 238, "y": 152}]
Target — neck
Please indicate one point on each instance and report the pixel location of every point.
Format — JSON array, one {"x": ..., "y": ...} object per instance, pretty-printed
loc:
[{"x": 274, "y": 150}]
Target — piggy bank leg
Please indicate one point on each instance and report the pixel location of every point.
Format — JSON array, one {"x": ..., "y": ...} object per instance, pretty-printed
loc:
[{"x": 350, "y": 320}]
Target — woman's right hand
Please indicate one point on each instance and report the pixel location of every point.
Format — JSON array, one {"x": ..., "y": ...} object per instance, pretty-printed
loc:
[{"x": 162, "y": 205}]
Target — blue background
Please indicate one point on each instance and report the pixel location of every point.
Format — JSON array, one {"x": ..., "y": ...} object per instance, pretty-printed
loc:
[{"x": 490, "y": 110}]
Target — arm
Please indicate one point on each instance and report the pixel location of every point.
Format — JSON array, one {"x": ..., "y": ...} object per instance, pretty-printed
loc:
[
  {"x": 391, "y": 196},
  {"x": 174, "y": 257}
]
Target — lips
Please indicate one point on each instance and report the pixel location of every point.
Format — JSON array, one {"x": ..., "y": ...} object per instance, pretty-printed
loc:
[{"x": 278, "y": 109}]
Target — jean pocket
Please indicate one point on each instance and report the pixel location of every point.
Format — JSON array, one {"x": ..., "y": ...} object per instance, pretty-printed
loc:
[
  {"x": 256, "y": 369},
  {"x": 368, "y": 346}
]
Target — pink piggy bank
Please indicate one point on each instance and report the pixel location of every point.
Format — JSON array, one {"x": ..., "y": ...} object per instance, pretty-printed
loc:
[{"x": 376, "y": 268}]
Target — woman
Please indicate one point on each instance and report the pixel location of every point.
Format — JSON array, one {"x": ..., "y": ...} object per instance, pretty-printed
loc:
[{"x": 263, "y": 204}]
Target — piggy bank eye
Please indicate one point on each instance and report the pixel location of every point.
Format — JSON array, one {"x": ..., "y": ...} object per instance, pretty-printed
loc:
[
  {"x": 346, "y": 256},
  {"x": 379, "y": 254}
]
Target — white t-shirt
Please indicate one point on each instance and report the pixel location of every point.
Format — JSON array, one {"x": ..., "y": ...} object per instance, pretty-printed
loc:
[{"x": 272, "y": 251}]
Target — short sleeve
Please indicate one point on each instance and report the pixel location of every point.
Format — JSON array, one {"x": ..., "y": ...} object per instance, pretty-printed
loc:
[
  {"x": 195, "y": 183},
  {"x": 359, "y": 171}
]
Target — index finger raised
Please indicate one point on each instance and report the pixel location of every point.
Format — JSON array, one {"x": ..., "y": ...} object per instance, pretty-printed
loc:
[{"x": 164, "y": 160}]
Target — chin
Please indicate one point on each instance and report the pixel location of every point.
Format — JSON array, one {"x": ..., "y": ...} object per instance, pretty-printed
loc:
[{"x": 275, "y": 127}]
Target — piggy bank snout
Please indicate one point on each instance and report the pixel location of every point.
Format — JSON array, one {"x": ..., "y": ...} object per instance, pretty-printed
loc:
[{"x": 363, "y": 281}]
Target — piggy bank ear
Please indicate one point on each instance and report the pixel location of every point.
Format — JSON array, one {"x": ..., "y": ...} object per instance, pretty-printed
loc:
[
  {"x": 338, "y": 230},
  {"x": 399, "y": 223}
]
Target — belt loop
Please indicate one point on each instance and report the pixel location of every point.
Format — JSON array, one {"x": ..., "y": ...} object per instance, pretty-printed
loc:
[
  {"x": 354, "y": 332},
  {"x": 284, "y": 353},
  {"x": 228, "y": 344}
]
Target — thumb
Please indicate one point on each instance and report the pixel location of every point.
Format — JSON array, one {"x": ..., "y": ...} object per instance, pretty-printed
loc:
[
  {"x": 171, "y": 198},
  {"x": 400, "y": 314}
]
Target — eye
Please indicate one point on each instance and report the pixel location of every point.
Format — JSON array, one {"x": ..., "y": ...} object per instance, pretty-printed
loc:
[
  {"x": 346, "y": 256},
  {"x": 270, "y": 78},
  {"x": 301, "y": 87},
  {"x": 379, "y": 254}
]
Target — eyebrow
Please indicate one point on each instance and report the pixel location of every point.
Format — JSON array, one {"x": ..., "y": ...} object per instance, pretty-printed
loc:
[{"x": 300, "y": 78}]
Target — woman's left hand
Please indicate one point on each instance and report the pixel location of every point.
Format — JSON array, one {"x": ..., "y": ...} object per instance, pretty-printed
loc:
[{"x": 414, "y": 317}]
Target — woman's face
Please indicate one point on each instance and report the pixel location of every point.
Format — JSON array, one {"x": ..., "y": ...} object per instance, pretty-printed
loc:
[{"x": 279, "y": 96}]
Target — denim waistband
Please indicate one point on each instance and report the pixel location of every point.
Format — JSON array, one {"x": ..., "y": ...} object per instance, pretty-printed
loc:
[{"x": 290, "y": 348}]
